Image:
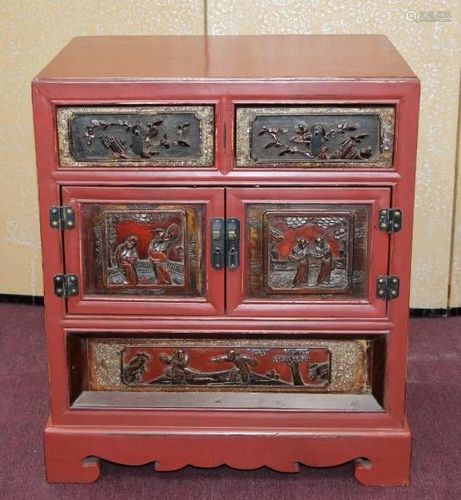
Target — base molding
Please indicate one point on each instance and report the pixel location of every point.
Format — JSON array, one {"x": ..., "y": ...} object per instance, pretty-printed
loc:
[{"x": 381, "y": 456}]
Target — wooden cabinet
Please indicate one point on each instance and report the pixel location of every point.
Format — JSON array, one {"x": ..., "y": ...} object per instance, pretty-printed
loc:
[{"x": 227, "y": 254}]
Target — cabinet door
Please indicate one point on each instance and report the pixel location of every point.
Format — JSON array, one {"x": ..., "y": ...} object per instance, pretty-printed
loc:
[
  {"x": 313, "y": 252},
  {"x": 143, "y": 250}
]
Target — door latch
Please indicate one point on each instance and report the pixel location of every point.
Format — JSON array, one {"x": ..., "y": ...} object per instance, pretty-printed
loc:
[
  {"x": 217, "y": 243},
  {"x": 225, "y": 243},
  {"x": 232, "y": 243}
]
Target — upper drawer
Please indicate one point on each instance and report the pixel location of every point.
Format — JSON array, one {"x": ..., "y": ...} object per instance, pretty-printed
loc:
[
  {"x": 137, "y": 136},
  {"x": 326, "y": 137}
]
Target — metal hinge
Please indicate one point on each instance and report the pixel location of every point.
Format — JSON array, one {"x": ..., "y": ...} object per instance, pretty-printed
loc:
[
  {"x": 62, "y": 217},
  {"x": 390, "y": 220},
  {"x": 66, "y": 285},
  {"x": 388, "y": 287}
]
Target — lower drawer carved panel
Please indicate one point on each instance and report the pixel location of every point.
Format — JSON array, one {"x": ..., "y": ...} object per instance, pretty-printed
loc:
[{"x": 190, "y": 372}]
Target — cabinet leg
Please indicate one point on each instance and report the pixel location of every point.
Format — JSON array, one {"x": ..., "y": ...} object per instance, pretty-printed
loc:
[
  {"x": 66, "y": 460},
  {"x": 387, "y": 464},
  {"x": 378, "y": 473},
  {"x": 72, "y": 470}
]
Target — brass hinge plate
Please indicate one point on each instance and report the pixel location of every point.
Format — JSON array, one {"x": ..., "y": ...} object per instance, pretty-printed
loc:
[
  {"x": 62, "y": 218},
  {"x": 388, "y": 287},
  {"x": 66, "y": 285},
  {"x": 390, "y": 220}
]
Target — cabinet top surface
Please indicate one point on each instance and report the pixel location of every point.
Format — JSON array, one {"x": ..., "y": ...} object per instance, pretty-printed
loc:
[{"x": 228, "y": 57}]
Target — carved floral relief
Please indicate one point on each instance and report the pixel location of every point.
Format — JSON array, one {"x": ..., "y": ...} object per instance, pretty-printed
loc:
[
  {"x": 313, "y": 136},
  {"x": 136, "y": 136}
]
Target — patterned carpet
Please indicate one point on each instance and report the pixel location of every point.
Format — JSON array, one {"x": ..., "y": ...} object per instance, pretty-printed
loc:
[{"x": 434, "y": 409}]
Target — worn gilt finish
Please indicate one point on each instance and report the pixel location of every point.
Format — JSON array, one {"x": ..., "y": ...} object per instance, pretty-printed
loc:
[
  {"x": 181, "y": 136},
  {"x": 339, "y": 366},
  {"x": 283, "y": 354},
  {"x": 315, "y": 137}
]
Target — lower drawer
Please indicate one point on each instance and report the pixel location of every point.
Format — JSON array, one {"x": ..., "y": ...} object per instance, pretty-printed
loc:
[{"x": 324, "y": 373}]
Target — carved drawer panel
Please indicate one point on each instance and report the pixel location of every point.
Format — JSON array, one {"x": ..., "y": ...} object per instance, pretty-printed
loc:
[
  {"x": 170, "y": 368},
  {"x": 319, "y": 137},
  {"x": 139, "y": 136}
]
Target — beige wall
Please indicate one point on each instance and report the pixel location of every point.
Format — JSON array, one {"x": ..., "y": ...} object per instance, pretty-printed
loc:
[
  {"x": 455, "y": 285},
  {"x": 32, "y": 32}
]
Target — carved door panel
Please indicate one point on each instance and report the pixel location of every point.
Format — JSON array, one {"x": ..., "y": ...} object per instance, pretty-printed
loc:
[
  {"x": 143, "y": 250},
  {"x": 308, "y": 252}
]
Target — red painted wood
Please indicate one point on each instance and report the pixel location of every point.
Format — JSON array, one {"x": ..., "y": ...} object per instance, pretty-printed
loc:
[
  {"x": 238, "y": 304},
  {"x": 73, "y": 453},
  {"x": 201, "y": 57},
  {"x": 211, "y": 304},
  {"x": 255, "y": 92},
  {"x": 208, "y": 438}
]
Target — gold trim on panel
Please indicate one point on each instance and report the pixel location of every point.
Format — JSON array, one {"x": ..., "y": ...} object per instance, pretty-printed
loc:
[
  {"x": 245, "y": 117},
  {"x": 349, "y": 362},
  {"x": 204, "y": 114}
]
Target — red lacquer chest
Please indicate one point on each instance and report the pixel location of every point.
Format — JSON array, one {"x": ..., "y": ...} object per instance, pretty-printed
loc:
[{"x": 226, "y": 227}]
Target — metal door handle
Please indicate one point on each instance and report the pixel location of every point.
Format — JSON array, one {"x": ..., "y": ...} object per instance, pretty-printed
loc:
[
  {"x": 232, "y": 243},
  {"x": 217, "y": 243}
]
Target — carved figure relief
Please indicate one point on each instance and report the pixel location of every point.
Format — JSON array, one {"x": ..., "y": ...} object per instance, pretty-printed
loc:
[
  {"x": 308, "y": 251},
  {"x": 126, "y": 258},
  {"x": 304, "y": 249},
  {"x": 146, "y": 249},
  {"x": 234, "y": 367},
  {"x": 159, "y": 261},
  {"x": 296, "y": 365}
]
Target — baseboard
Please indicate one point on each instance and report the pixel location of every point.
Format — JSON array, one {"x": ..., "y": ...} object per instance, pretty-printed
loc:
[
  {"x": 36, "y": 300},
  {"x": 32, "y": 300},
  {"x": 428, "y": 313},
  {"x": 435, "y": 313}
]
